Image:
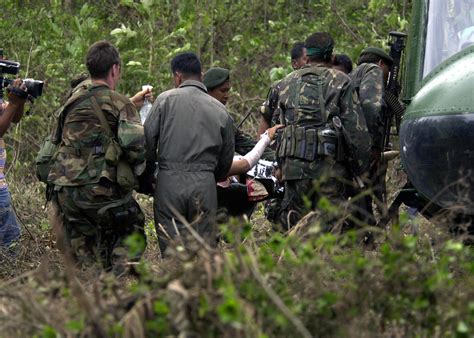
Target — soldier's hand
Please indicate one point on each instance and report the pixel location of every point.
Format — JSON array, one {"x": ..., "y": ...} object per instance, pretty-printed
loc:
[
  {"x": 279, "y": 174},
  {"x": 272, "y": 131},
  {"x": 139, "y": 98}
]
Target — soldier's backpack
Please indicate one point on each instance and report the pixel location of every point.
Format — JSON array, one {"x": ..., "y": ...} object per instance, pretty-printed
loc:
[
  {"x": 126, "y": 178},
  {"x": 50, "y": 145}
]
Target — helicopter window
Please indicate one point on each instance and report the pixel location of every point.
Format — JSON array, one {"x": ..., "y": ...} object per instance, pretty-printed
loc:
[{"x": 450, "y": 29}]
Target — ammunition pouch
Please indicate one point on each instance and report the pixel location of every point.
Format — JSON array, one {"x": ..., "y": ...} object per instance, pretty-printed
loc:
[{"x": 310, "y": 142}]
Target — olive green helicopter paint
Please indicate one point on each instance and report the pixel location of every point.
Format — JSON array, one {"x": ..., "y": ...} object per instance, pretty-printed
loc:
[
  {"x": 448, "y": 89},
  {"x": 413, "y": 72},
  {"x": 437, "y": 130}
]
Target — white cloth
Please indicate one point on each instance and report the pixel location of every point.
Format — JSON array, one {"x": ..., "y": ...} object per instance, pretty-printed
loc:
[{"x": 254, "y": 155}]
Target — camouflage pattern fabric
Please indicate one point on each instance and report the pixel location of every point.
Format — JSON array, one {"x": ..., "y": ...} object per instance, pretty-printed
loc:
[
  {"x": 302, "y": 196},
  {"x": 339, "y": 100},
  {"x": 367, "y": 79},
  {"x": 97, "y": 220},
  {"x": 310, "y": 97},
  {"x": 81, "y": 157},
  {"x": 97, "y": 214},
  {"x": 268, "y": 110}
]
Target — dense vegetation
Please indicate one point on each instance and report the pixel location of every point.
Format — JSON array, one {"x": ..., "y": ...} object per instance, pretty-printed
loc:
[{"x": 258, "y": 283}]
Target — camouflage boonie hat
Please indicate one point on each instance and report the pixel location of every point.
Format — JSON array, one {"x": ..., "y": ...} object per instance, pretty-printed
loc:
[
  {"x": 380, "y": 53},
  {"x": 214, "y": 77}
]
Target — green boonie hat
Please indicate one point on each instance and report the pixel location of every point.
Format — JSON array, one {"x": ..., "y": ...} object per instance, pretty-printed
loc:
[
  {"x": 379, "y": 52},
  {"x": 214, "y": 77}
]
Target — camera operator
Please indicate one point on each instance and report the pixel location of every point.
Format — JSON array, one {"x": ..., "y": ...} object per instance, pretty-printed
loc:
[{"x": 11, "y": 111}]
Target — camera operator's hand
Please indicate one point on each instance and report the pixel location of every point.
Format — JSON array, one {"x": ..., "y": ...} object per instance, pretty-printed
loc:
[
  {"x": 139, "y": 98},
  {"x": 17, "y": 94},
  {"x": 13, "y": 110}
]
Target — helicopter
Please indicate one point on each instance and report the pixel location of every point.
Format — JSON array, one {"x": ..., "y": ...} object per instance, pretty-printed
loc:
[{"x": 436, "y": 135}]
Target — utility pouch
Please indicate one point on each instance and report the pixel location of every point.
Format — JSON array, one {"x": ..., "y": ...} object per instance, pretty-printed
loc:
[
  {"x": 286, "y": 142},
  {"x": 44, "y": 159},
  {"x": 126, "y": 177},
  {"x": 290, "y": 141},
  {"x": 328, "y": 142},
  {"x": 300, "y": 142},
  {"x": 113, "y": 153},
  {"x": 311, "y": 145},
  {"x": 115, "y": 213}
]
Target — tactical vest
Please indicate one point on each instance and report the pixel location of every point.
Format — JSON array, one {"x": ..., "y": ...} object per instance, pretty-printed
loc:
[{"x": 307, "y": 134}]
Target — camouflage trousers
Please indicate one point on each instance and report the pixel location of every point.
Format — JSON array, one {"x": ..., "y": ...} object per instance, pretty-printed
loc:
[
  {"x": 97, "y": 218},
  {"x": 305, "y": 195}
]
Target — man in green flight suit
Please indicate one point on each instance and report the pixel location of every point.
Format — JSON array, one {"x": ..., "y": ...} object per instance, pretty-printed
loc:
[
  {"x": 190, "y": 135},
  {"x": 324, "y": 128},
  {"x": 100, "y": 127}
]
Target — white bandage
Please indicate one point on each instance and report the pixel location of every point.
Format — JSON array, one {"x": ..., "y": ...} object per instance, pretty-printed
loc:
[{"x": 254, "y": 155}]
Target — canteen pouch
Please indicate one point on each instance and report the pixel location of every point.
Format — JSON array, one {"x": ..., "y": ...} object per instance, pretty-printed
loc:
[
  {"x": 125, "y": 176},
  {"x": 113, "y": 153},
  {"x": 44, "y": 159}
]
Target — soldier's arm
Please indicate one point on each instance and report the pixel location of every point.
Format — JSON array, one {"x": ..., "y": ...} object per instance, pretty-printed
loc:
[
  {"x": 11, "y": 111},
  {"x": 268, "y": 109},
  {"x": 244, "y": 144},
  {"x": 355, "y": 126},
  {"x": 226, "y": 155},
  {"x": 371, "y": 100}
]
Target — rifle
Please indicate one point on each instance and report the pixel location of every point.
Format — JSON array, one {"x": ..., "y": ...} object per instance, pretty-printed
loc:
[{"x": 392, "y": 89}]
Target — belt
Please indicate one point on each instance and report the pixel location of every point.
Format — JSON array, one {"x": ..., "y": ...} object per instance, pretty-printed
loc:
[
  {"x": 95, "y": 150},
  {"x": 183, "y": 166}
]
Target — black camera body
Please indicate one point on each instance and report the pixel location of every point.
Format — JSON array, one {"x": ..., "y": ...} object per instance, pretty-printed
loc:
[{"x": 34, "y": 88}]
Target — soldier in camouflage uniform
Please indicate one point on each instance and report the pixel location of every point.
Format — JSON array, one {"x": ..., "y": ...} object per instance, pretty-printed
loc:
[
  {"x": 369, "y": 79},
  {"x": 98, "y": 214},
  {"x": 324, "y": 129},
  {"x": 269, "y": 118}
]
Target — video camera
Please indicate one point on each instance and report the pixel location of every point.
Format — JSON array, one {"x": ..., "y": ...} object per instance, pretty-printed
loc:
[{"x": 34, "y": 88}]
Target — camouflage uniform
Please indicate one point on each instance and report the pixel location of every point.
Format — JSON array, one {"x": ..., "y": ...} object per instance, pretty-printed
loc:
[
  {"x": 368, "y": 82},
  {"x": 270, "y": 105},
  {"x": 98, "y": 214},
  {"x": 269, "y": 113},
  {"x": 367, "y": 79},
  {"x": 311, "y": 166}
]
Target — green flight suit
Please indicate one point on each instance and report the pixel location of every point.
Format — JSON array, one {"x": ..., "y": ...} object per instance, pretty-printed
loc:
[{"x": 190, "y": 136}]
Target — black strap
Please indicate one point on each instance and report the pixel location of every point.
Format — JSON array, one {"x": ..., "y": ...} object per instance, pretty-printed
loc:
[{"x": 100, "y": 115}]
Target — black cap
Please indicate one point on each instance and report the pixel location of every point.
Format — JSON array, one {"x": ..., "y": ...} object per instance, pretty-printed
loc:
[{"x": 214, "y": 77}]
